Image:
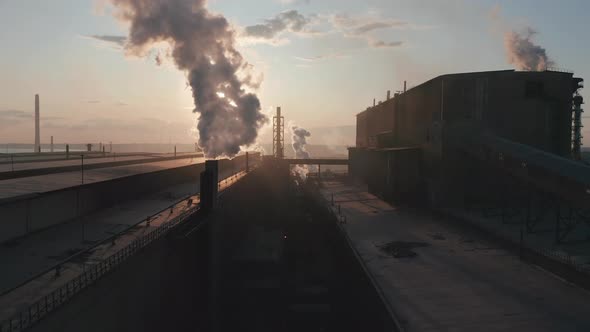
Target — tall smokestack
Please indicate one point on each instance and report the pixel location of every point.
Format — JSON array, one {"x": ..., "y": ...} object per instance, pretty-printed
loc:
[
  {"x": 405, "y": 85},
  {"x": 37, "y": 135},
  {"x": 388, "y": 94},
  {"x": 374, "y": 102},
  {"x": 51, "y": 149}
]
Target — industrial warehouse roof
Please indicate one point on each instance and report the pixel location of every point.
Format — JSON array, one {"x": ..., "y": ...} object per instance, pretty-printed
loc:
[{"x": 476, "y": 73}]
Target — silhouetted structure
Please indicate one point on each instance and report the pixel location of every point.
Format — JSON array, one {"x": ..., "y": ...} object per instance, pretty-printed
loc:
[
  {"x": 209, "y": 189},
  {"x": 499, "y": 140},
  {"x": 532, "y": 108},
  {"x": 37, "y": 130},
  {"x": 278, "y": 135},
  {"x": 577, "y": 128}
]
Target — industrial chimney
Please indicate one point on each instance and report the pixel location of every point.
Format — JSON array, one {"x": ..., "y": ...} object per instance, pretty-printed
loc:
[
  {"x": 388, "y": 94},
  {"x": 405, "y": 86},
  {"x": 37, "y": 134},
  {"x": 278, "y": 133}
]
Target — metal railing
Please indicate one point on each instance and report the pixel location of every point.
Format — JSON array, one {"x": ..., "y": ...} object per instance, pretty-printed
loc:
[
  {"x": 46, "y": 304},
  {"x": 32, "y": 313},
  {"x": 83, "y": 252},
  {"x": 558, "y": 262},
  {"x": 559, "y": 70}
]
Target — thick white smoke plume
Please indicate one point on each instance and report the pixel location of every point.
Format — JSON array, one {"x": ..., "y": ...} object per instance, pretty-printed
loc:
[
  {"x": 298, "y": 142},
  {"x": 202, "y": 44},
  {"x": 525, "y": 54}
]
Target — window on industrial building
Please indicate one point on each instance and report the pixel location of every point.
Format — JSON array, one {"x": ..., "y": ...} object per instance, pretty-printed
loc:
[{"x": 534, "y": 89}]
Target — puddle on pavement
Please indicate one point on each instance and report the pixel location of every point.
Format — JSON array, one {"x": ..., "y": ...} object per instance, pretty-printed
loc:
[
  {"x": 437, "y": 236},
  {"x": 402, "y": 249}
]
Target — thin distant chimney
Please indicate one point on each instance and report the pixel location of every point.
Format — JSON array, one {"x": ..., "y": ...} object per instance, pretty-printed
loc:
[
  {"x": 373, "y": 102},
  {"x": 51, "y": 148},
  {"x": 37, "y": 134},
  {"x": 388, "y": 94},
  {"x": 404, "y": 86}
]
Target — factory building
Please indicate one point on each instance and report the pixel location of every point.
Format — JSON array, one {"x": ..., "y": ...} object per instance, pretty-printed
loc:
[{"x": 415, "y": 143}]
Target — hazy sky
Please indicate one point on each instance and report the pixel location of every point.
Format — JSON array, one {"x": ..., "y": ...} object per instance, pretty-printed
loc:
[{"x": 323, "y": 63}]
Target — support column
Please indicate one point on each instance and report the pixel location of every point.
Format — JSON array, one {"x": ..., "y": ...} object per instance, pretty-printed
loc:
[{"x": 209, "y": 185}]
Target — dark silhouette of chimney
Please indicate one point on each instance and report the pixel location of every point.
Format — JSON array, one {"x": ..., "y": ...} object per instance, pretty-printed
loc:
[{"x": 37, "y": 133}]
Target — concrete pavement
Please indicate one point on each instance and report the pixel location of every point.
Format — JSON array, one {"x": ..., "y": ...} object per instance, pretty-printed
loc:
[{"x": 448, "y": 279}]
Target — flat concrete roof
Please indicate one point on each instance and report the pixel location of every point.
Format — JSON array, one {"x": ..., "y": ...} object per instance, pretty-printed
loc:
[{"x": 44, "y": 183}]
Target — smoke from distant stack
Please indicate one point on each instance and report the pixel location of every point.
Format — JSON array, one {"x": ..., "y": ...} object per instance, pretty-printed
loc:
[
  {"x": 298, "y": 142},
  {"x": 523, "y": 53},
  {"x": 202, "y": 45}
]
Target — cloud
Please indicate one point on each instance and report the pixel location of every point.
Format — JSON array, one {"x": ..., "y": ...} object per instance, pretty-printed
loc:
[
  {"x": 15, "y": 114},
  {"x": 143, "y": 129},
  {"x": 360, "y": 25},
  {"x": 271, "y": 29},
  {"x": 317, "y": 58},
  {"x": 384, "y": 44},
  {"x": 118, "y": 41},
  {"x": 364, "y": 24},
  {"x": 14, "y": 117},
  {"x": 11, "y": 117},
  {"x": 310, "y": 59},
  {"x": 292, "y": 2},
  {"x": 377, "y": 25}
]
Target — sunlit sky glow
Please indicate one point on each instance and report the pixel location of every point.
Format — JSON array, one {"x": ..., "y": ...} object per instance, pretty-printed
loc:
[{"x": 322, "y": 70}]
